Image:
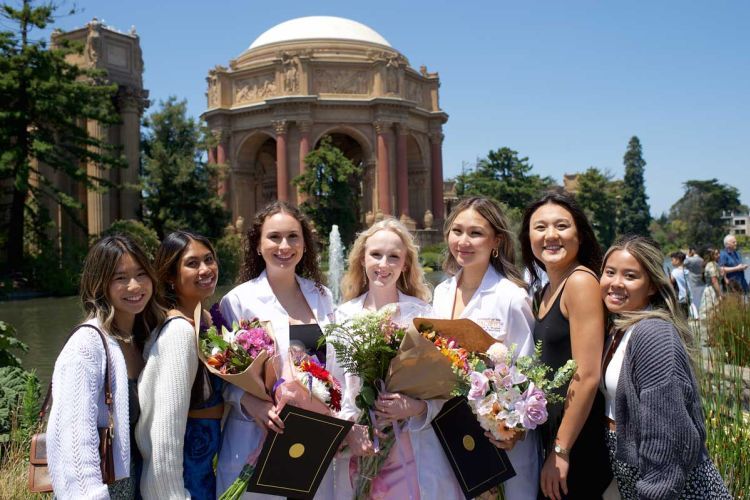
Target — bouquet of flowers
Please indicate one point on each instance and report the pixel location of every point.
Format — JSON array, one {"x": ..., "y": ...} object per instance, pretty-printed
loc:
[
  {"x": 238, "y": 354},
  {"x": 365, "y": 346},
  {"x": 318, "y": 381},
  {"x": 509, "y": 394}
]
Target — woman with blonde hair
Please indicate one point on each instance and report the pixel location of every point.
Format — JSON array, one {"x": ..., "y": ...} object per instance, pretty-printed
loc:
[
  {"x": 384, "y": 269},
  {"x": 486, "y": 287},
  {"x": 121, "y": 307},
  {"x": 657, "y": 435}
]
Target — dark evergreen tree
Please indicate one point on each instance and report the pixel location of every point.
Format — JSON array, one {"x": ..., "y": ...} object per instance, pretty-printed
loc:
[
  {"x": 45, "y": 104},
  {"x": 597, "y": 197},
  {"x": 329, "y": 185},
  {"x": 634, "y": 217},
  {"x": 179, "y": 187},
  {"x": 504, "y": 177}
]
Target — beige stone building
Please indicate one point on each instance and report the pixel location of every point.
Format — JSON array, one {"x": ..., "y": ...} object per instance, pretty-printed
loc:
[
  {"x": 120, "y": 55},
  {"x": 315, "y": 76}
]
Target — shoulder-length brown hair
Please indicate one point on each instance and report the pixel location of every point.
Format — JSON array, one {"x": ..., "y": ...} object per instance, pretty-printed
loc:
[
  {"x": 98, "y": 270},
  {"x": 254, "y": 264},
  {"x": 411, "y": 282},
  {"x": 504, "y": 262}
]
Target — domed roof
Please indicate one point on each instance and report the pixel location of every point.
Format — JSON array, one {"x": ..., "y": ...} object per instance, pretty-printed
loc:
[{"x": 319, "y": 27}]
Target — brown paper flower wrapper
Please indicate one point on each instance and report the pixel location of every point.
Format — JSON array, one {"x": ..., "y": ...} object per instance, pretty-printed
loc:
[
  {"x": 258, "y": 378},
  {"x": 419, "y": 370},
  {"x": 468, "y": 334},
  {"x": 294, "y": 393}
]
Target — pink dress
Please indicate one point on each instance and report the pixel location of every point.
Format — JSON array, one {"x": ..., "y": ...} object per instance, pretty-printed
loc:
[{"x": 394, "y": 477}]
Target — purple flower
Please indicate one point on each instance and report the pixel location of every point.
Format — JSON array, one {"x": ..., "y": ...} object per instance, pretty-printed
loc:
[
  {"x": 532, "y": 407},
  {"x": 254, "y": 341},
  {"x": 217, "y": 318},
  {"x": 479, "y": 385}
]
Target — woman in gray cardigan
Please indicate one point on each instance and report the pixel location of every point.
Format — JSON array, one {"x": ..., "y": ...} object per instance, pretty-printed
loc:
[{"x": 657, "y": 436}]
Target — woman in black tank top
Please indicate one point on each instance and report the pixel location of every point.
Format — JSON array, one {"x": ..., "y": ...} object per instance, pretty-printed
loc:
[{"x": 557, "y": 237}]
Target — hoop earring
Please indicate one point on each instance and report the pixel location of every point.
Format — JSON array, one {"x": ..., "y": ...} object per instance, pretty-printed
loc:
[{"x": 495, "y": 253}]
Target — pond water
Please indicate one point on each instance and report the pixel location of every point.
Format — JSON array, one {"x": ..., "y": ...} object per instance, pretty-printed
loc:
[{"x": 43, "y": 324}]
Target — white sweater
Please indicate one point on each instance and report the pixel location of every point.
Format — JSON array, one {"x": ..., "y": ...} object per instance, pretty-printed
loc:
[
  {"x": 164, "y": 393},
  {"x": 78, "y": 408}
]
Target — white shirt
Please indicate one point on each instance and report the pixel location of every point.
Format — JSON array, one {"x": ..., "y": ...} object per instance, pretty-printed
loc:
[
  {"x": 241, "y": 435},
  {"x": 612, "y": 375},
  {"x": 503, "y": 309}
]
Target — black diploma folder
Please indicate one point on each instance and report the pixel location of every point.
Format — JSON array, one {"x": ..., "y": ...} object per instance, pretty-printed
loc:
[
  {"x": 293, "y": 464},
  {"x": 478, "y": 464}
]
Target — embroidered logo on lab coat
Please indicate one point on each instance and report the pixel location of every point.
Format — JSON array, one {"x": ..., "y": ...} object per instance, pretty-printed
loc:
[{"x": 493, "y": 326}]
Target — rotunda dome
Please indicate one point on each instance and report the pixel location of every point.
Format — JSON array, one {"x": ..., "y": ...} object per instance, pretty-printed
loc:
[{"x": 319, "y": 27}]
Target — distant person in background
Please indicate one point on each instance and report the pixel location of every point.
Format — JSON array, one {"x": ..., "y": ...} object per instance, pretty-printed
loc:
[
  {"x": 694, "y": 266},
  {"x": 679, "y": 281},
  {"x": 712, "y": 274},
  {"x": 731, "y": 265}
]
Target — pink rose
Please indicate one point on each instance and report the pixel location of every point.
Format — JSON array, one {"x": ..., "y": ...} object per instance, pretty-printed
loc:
[
  {"x": 532, "y": 407},
  {"x": 479, "y": 385}
]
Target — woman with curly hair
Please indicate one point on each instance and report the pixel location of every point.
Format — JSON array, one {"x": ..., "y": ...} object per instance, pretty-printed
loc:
[{"x": 282, "y": 283}]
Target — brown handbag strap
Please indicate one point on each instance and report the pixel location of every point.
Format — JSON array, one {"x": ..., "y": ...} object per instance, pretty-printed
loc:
[{"x": 107, "y": 376}]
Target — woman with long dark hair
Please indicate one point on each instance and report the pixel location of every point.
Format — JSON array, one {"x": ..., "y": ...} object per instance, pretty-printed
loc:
[
  {"x": 557, "y": 237},
  {"x": 179, "y": 431}
]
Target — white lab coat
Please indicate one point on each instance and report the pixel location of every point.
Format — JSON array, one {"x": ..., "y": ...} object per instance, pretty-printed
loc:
[
  {"x": 434, "y": 474},
  {"x": 503, "y": 309},
  {"x": 241, "y": 435}
]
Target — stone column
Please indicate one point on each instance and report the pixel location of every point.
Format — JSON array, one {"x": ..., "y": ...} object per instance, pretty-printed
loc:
[
  {"x": 282, "y": 172},
  {"x": 131, "y": 104},
  {"x": 402, "y": 170},
  {"x": 98, "y": 210},
  {"x": 212, "y": 155},
  {"x": 436, "y": 143},
  {"x": 383, "y": 177},
  {"x": 304, "y": 149},
  {"x": 223, "y": 187}
]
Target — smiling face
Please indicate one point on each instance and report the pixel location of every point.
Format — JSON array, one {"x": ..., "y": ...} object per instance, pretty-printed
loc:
[
  {"x": 385, "y": 259},
  {"x": 624, "y": 284},
  {"x": 471, "y": 239},
  {"x": 130, "y": 289},
  {"x": 553, "y": 236},
  {"x": 281, "y": 242},
  {"x": 197, "y": 273}
]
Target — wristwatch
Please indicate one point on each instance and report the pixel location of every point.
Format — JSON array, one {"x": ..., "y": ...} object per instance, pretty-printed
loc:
[{"x": 562, "y": 452}]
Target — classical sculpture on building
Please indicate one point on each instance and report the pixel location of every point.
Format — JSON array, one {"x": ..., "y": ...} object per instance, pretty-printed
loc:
[
  {"x": 120, "y": 55},
  {"x": 315, "y": 76}
]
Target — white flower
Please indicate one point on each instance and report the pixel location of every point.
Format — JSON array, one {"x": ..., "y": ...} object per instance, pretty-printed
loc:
[
  {"x": 215, "y": 351},
  {"x": 497, "y": 352},
  {"x": 511, "y": 418},
  {"x": 509, "y": 397},
  {"x": 319, "y": 390},
  {"x": 484, "y": 407},
  {"x": 228, "y": 335}
]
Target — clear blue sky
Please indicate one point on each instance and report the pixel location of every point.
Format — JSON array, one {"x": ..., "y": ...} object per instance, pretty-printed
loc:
[{"x": 564, "y": 83}]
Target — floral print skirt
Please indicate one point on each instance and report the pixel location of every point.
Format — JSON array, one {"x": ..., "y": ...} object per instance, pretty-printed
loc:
[{"x": 703, "y": 483}]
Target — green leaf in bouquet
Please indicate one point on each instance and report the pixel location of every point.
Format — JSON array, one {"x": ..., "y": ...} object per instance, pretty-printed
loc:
[{"x": 367, "y": 395}]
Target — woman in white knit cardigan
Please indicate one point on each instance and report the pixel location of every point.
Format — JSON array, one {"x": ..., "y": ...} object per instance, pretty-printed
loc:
[
  {"x": 179, "y": 431},
  {"x": 118, "y": 299}
]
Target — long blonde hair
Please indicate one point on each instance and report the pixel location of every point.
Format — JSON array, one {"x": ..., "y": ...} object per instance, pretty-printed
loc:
[
  {"x": 504, "y": 261},
  {"x": 663, "y": 302},
  {"x": 98, "y": 270},
  {"x": 411, "y": 282}
]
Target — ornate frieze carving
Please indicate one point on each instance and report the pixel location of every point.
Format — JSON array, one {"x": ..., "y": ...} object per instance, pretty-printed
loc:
[
  {"x": 340, "y": 81},
  {"x": 280, "y": 126},
  {"x": 255, "y": 88}
]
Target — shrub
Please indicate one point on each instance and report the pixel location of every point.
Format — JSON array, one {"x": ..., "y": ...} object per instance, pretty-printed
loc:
[
  {"x": 729, "y": 330},
  {"x": 229, "y": 253},
  {"x": 9, "y": 343},
  {"x": 145, "y": 236}
]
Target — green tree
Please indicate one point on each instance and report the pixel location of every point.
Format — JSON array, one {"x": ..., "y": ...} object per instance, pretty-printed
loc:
[
  {"x": 45, "y": 104},
  {"x": 138, "y": 231},
  {"x": 634, "y": 210},
  {"x": 179, "y": 187},
  {"x": 700, "y": 209},
  {"x": 597, "y": 197},
  {"x": 504, "y": 177},
  {"x": 328, "y": 185}
]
